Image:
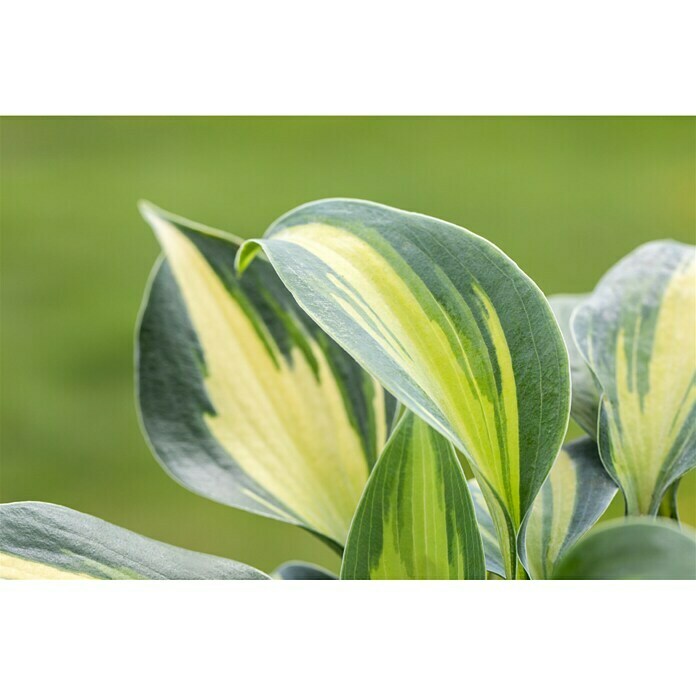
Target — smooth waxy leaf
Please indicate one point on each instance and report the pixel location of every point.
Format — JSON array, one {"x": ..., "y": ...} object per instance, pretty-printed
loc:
[
  {"x": 636, "y": 332},
  {"x": 584, "y": 408},
  {"x": 576, "y": 493},
  {"x": 416, "y": 519},
  {"x": 299, "y": 570},
  {"x": 632, "y": 549},
  {"x": 243, "y": 398},
  {"x": 448, "y": 324},
  {"x": 491, "y": 546},
  {"x": 41, "y": 541}
]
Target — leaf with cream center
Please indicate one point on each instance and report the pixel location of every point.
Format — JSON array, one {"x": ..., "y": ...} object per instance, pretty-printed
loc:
[
  {"x": 448, "y": 324},
  {"x": 637, "y": 333},
  {"x": 243, "y": 398}
]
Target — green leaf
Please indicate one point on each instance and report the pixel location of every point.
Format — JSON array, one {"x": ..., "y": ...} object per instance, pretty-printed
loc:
[
  {"x": 416, "y": 519},
  {"x": 448, "y": 324},
  {"x": 491, "y": 547},
  {"x": 41, "y": 541},
  {"x": 584, "y": 407},
  {"x": 243, "y": 398},
  {"x": 636, "y": 332},
  {"x": 632, "y": 549},
  {"x": 573, "y": 497},
  {"x": 299, "y": 570}
]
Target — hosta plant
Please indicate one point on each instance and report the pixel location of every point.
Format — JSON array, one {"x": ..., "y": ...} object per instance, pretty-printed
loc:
[{"x": 343, "y": 372}]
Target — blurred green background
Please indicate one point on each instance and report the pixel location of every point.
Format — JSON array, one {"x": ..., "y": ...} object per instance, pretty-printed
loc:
[{"x": 564, "y": 197}]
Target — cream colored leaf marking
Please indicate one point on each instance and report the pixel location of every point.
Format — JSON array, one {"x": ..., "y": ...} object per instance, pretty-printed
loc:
[
  {"x": 643, "y": 431},
  {"x": 287, "y": 429},
  {"x": 563, "y": 482},
  {"x": 14, "y": 568},
  {"x": 400, "y": 321}
]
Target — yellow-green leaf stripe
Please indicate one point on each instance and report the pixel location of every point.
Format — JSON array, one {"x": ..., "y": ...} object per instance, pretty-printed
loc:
[
  {"x": 243, "y": 398},
  {"x": 448, "y": 324},
  {"x": 637, "y": 333},
  {"x": 416, "y": 518}
]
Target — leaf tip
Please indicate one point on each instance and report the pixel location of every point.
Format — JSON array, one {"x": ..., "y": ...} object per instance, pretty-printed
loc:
[{"x": 246, "y": 254}]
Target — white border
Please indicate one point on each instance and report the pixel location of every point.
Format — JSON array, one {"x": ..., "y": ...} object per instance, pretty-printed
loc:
[
  {"x": 336, "y": 637},
  {"x": 362, "y": 57}
]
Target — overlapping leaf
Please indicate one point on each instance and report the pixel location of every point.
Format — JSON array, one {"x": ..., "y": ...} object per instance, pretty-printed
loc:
[
  {"x": 632, "y": 549},
  {"x": 243, "y": 398},
  {"x": 584, "y": 406},
  {"x": 448, "y": 324},
  {"x": 299, "y": 570},
  {"x": 576, "y": 493},
  {"x": 41, "y": 541},
  {"x": 573, "y": 497},
  {"x": 489, "y": 537},
  {"x": 637, "y": 332},
  {"x": 416, "y": 518}
]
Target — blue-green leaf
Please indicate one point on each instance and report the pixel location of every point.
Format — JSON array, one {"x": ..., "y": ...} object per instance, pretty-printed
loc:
[
  {"x": 41, "y": 541},
  {"x": 584, "y": 408},
  {"x": 573, "y": 497},
  {"x": 632, "y": 549},
  {"x": 299, "y": 570}
]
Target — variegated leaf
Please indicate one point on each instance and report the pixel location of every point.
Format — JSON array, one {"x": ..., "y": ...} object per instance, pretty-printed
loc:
[
  {"x": 632, "y": 549},
  {"x": 448, "y": 324},
  {"x": 637, "y": 333},
  {"x": 41, "y": 541},
  {"x": 416, "y": 519},
  {"x": 584, "y": 405},
  {"x": 491, "y": 547},
  {"x": 299, "y": 570},
  {"x": 573, "y": 497},
  {"x": 243, "y": 398}
]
